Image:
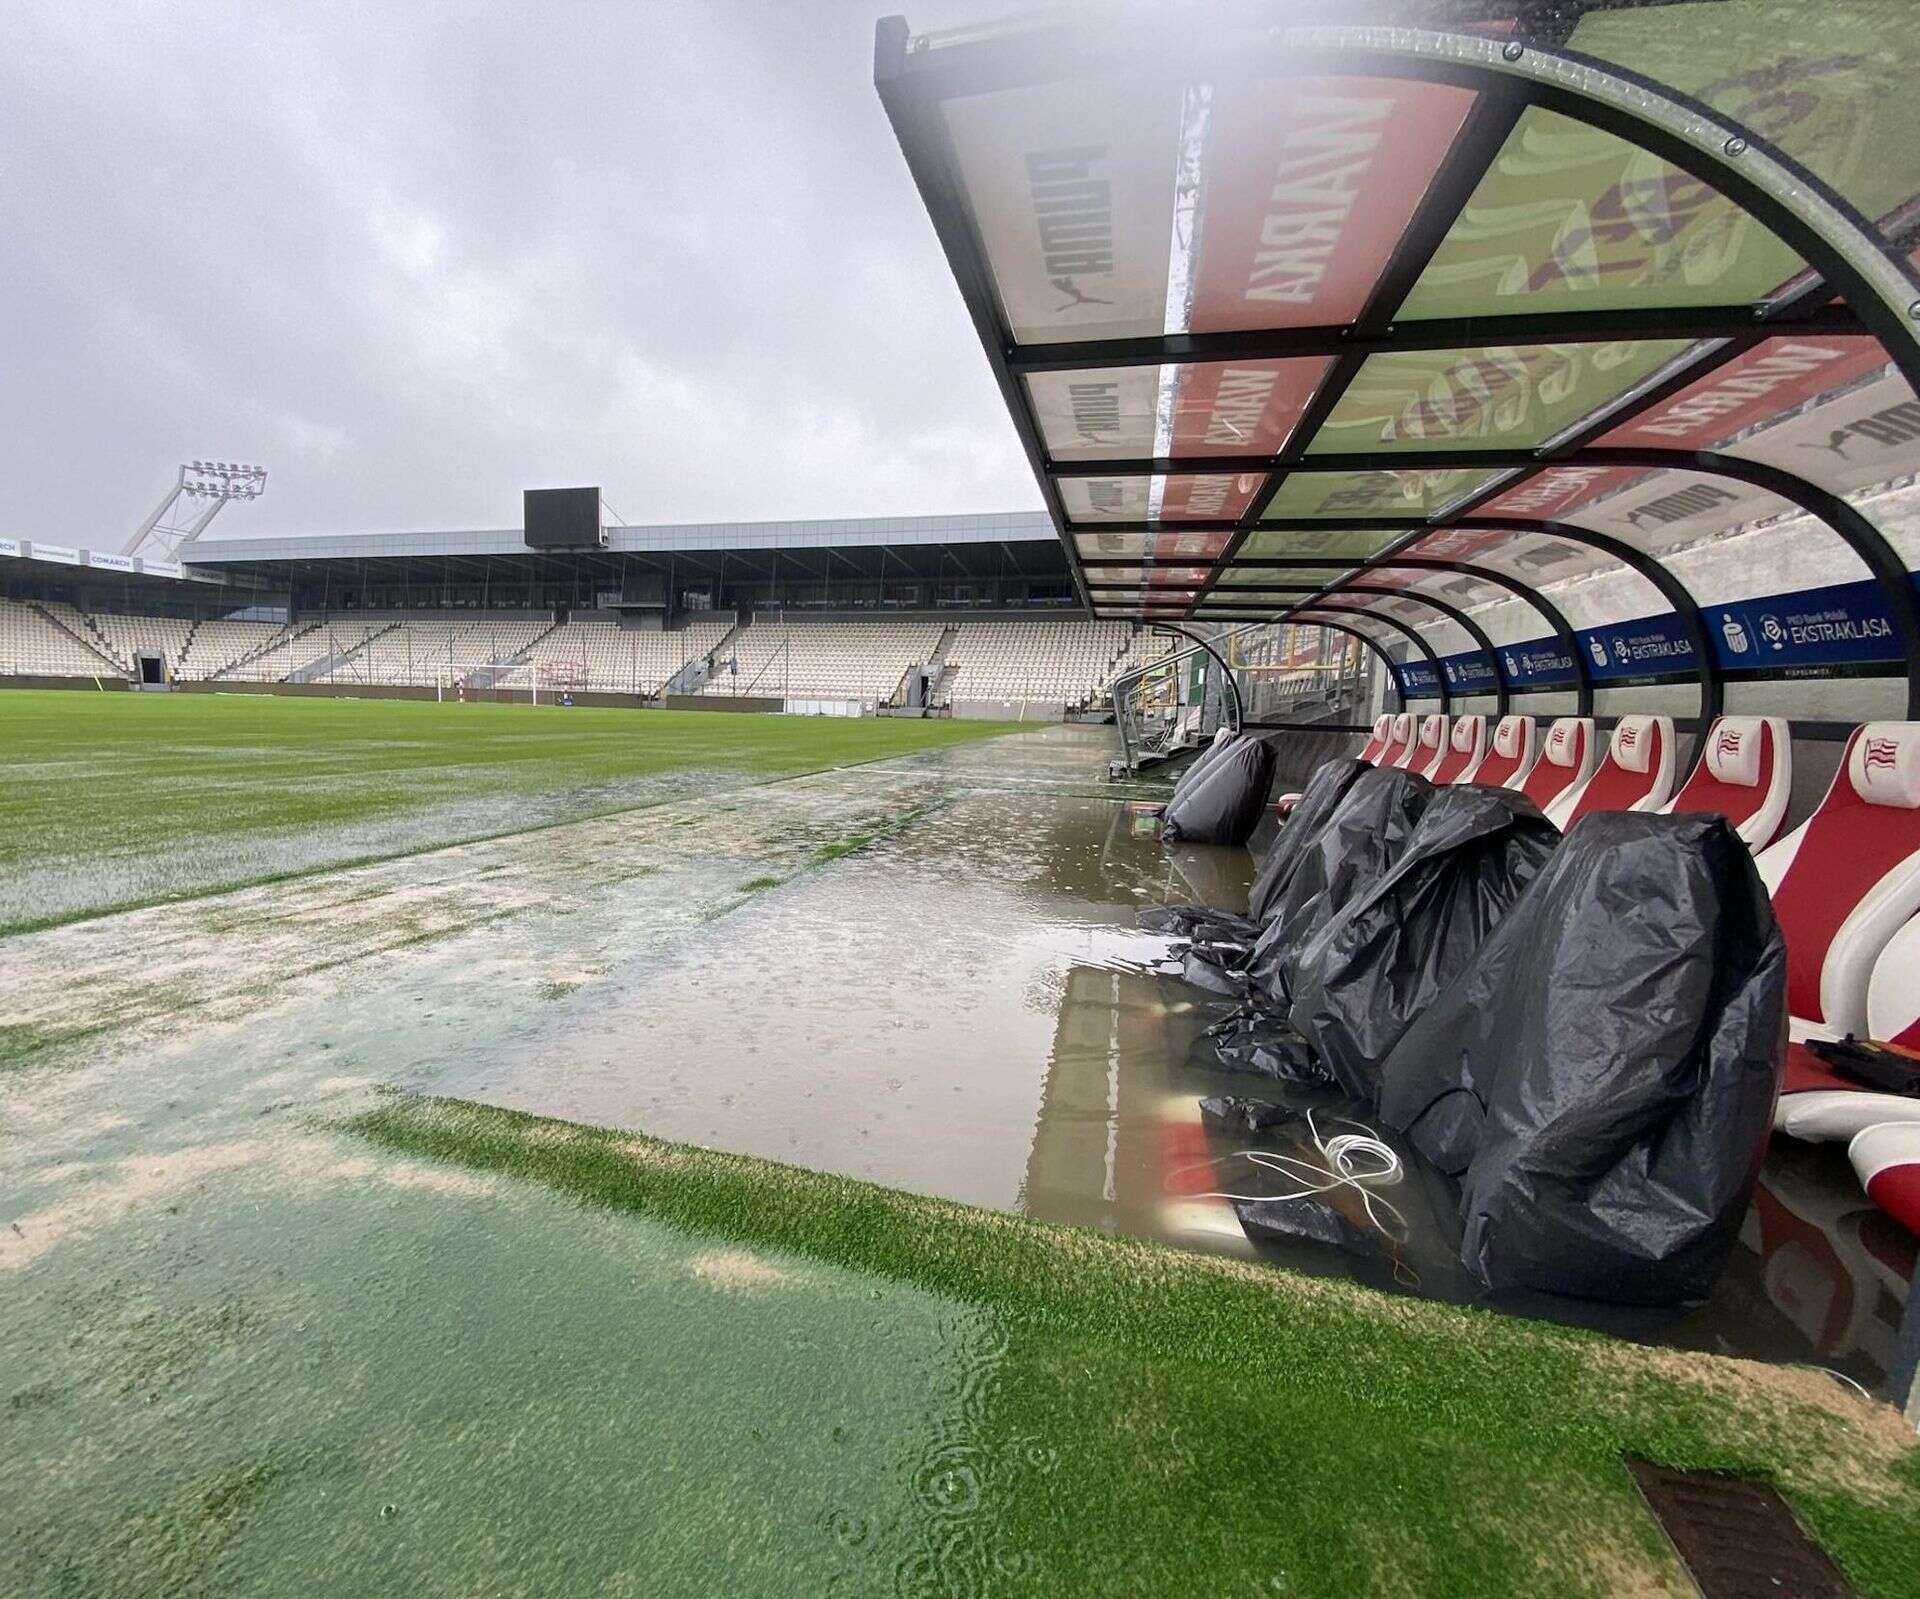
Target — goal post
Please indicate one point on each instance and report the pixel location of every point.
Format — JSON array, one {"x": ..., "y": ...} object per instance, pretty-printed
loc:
[{"x": 504, "y": 682}]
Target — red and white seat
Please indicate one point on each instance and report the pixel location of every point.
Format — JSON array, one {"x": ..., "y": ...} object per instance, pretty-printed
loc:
[
  {"x": 1401, "y": 738},
  {"x": 1511, "y": 752},
  {"x": 1745, "y": 774},
  {"x": 1567, "y": 759},
  {"x": 1429, "y": 745},
  {"x": 1637, "y": 774},
  {"x": 1886, "y": 1153},
  {"x": 1466, "y": 745},
  {"x": 1377, "y": 745},
  {"x": 1844, "y": 883}
]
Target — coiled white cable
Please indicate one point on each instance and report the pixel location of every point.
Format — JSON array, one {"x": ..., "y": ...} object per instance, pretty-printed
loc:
[{"x": 1355, "y": 1160}]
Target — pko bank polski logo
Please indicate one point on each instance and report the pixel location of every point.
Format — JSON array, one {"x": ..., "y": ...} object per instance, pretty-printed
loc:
[{"x": 1598, "y": 651}]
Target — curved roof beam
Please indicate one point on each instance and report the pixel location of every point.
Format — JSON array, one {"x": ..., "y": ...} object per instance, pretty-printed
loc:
[
  {"x": 1406, "y": 629},
  {"x": 1502, "y": 689},
  {"x": 1549, "y": 612},
  {"x": 1379, "y": 649},
  {"x": 1846, "y": 523}
]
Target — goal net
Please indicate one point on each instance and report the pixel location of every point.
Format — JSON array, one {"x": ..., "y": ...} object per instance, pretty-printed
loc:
[{"x": 523, "y": 682}]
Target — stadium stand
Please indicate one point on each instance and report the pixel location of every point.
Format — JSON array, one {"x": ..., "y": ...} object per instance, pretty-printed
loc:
[
  {"x": 1055, "y": 661},
  {"x": 39, "y": 640},
  {"x": 124, "y": 638},
  {"x": 424, "y": 650},
  {"x": 617, "y": 660},
  {"x": 855, "y": 660}
]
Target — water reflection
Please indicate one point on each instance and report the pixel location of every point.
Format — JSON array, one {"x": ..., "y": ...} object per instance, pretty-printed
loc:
[{"x": 966, "y": 1008}]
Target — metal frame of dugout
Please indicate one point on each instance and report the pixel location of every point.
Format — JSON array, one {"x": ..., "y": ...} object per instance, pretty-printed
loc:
[{"x": 1511, "y": 75}]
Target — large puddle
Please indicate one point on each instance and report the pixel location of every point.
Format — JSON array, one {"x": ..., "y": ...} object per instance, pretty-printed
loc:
[{"x": 925, "y": 973}]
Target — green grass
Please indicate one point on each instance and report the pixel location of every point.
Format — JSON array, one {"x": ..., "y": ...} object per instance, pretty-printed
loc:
[
  {"x": 240, "y": 789},
  {"x": 1212, "y": 1428}
]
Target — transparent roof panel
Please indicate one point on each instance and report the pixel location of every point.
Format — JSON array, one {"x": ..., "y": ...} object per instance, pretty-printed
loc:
[
  {"x": 1263, "y": 576},
  {"x": 1536, "y": 559},
  {"x": 1162, "y": 545},
  {"x": 1571, "y": 218},
  {"x": 1071, "y": 188},
  {"x": 1269, "y": 543},
  {"x": 1413, "y": 494},
  {"x": 1773, "y": 381},
  {"x": 1512, "y": 398},
  {"x": 1207, "y": 408},
  {"x": 1187, "y": 497},
  {"x": 1830, "y": 85},
  {"x": 1305, "y": 188}
]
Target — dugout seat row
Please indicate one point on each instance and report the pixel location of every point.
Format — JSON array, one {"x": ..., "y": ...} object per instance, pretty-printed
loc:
[{"x": 1745, "y": 772}]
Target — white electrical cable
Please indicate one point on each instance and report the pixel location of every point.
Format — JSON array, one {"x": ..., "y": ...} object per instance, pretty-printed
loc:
[{"x": 1356, "y": 1160}]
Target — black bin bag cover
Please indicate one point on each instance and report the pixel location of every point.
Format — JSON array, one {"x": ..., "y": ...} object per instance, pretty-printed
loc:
[
  {"x": 1221, "y": 743},
  {"x": 1367, "y": 833},
  {"x": 1383, "y": 958},
  {"x": 1223, "y": 804},
  {"x": 1602, "y": 1078},
  {"x": 1318, "y": 801}
]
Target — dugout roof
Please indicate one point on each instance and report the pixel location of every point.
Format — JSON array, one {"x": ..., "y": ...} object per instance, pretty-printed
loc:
[{"x": 1384, "y": 311}]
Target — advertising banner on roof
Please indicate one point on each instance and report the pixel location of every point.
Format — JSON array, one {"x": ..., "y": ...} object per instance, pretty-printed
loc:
[
  {"x": 1072, "y": 191},
  {"x": 1574, "y": 217},
  {"x": 1866, "y": 435},
  {"x": 1240, "y": 407},
  {"x": 100, "y": 560},
  {"x": 1104, "y": 499},
  {"x": 10, "y": 548},
  {"x": 1383, "y": 493},
  {"x": 1306, "y": 187},
  {"x": 1208, "y": 496},
  {"x": 1515, "y": 397},
  {"x": 1551, "y": 494},
  {"x": 1774, "y": 380},
  {"x": 1831, "y": 85},
  {"x": 1094, "y": 415},
  {"x": 66, "y": 555}
]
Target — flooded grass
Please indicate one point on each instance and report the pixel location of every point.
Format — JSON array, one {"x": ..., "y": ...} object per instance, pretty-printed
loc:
[
  {"x": 117, "y": 800},
  {"x": 288, "y": 1310},
  {"x": 1206, "y": 1426}
]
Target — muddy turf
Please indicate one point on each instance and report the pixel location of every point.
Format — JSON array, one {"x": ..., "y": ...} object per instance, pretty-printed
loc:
[{"x": 355, "y": 1236}]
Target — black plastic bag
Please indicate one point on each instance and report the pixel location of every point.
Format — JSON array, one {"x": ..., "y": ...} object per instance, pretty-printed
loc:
[
  {"x": 1222, "y": 742},
  {"x": 1382, "y": 959},
  {"x": 1603, "y": 1076},
  {"x": 1318, "y": 801},
  {"x": 1224, "y": 803},
  {"x": 1368, "y": 832},
  {"x": 1257, "y": 1042}
]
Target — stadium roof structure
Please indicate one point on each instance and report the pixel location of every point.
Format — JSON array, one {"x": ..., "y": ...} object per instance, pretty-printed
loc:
[{"x": 1383, "y": 312}]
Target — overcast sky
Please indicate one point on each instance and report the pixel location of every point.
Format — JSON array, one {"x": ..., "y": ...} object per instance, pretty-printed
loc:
[{"x": 414, "y": 257}]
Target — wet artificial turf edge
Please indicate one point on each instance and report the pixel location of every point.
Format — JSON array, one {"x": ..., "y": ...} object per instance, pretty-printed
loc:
[{"x": 1347, "y": 1441}]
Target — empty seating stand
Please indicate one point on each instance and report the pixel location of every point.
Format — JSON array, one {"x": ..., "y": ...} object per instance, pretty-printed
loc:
[
  {"x": 1511, "y": 752},
  {"x": 1636, "y": 775},
  {"x": 1567, "y": 759},
  {"x": 1745, "y": 772},
  {"x": 1844, "y": 883}
]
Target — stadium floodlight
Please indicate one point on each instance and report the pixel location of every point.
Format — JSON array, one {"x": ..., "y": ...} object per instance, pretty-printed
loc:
[{"x": 215, "y": 483}]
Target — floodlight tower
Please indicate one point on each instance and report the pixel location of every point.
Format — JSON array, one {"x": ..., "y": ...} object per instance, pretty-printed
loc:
[{"x": 179, "y": 517}]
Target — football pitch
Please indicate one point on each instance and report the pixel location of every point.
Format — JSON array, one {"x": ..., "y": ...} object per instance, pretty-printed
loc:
[
  {"x": 117, "y": 800},
  {"x": 573, "y": 1152}
]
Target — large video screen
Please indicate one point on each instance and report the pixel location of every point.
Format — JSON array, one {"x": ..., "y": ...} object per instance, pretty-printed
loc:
[{"x": 562, "y": 519}]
